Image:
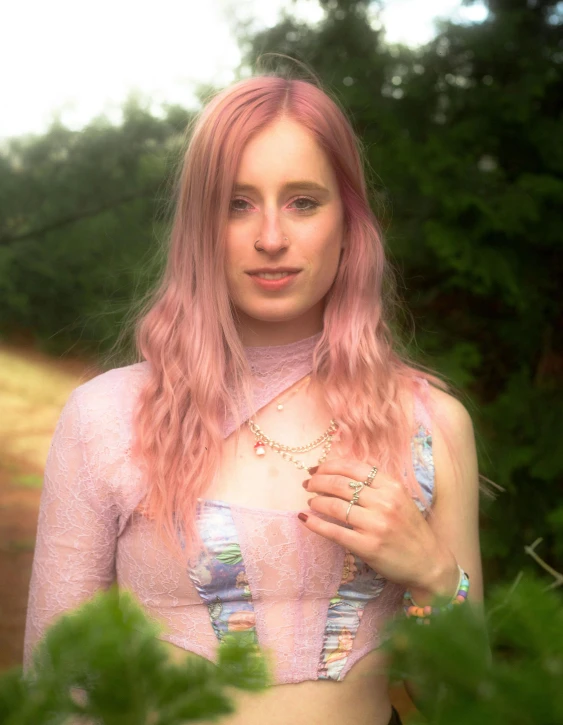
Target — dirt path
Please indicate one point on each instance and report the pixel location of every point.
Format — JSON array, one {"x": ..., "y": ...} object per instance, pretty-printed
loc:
[{"x": 33, "y": 390}]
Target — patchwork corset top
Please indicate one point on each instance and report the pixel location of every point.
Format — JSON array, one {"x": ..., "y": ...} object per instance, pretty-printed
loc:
[{"x": 313, "y": 607}]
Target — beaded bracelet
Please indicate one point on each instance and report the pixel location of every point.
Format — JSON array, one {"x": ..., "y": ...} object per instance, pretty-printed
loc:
[{"x": 423, "y": 614}]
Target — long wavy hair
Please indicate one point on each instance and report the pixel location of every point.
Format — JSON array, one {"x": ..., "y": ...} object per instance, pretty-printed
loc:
[{"x": 187, "y": 330}]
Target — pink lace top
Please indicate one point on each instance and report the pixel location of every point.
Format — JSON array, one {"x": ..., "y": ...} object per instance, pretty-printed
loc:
[{"x": 314, "y": 606}]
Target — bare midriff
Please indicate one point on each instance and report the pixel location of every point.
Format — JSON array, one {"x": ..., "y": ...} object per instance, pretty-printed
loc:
[{"x": 361, "y": 698}]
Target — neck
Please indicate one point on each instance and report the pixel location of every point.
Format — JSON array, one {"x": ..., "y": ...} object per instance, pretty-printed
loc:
[
  {"x": 261, "y": 333},
  {"x": 276, "y": 338},
  {"x": 282, "y": 359},
  {"x": 274, "y": 369}
]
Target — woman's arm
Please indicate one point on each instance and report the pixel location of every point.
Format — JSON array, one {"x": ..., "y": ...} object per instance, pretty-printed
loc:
[
  {"x": 77, "y": 528},
  {"x": 387, "y": 530},
  {"x": 455, "y": 513}
]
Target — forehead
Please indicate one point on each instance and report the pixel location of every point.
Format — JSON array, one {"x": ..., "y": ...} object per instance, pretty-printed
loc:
[{"x": 285, "y": 149}]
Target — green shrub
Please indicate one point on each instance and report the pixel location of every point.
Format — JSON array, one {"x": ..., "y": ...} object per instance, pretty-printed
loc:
[
  {"x": 104, "y": 662},
  {"x": 504, "y": 669}
]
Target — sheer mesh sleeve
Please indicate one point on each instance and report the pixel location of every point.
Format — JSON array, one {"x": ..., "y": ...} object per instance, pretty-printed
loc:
[{"x": 77, "y": 529}]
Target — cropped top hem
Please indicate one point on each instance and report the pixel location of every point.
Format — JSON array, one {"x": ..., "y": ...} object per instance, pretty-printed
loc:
[{"x": 289, "y": 679}]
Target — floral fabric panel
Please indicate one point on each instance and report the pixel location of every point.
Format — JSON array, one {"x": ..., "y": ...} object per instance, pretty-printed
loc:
[
  {"x": 423, "y": 463},
  {"x": 359, "y": 585},
  {"x": 220, "y": 576}
]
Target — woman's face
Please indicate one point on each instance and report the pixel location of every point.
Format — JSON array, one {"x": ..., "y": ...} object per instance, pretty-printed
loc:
[{"x": 286, "y": 196}]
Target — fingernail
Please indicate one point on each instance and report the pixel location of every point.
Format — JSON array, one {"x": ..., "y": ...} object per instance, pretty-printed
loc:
[
  {"x": 305, "y": 483},
  {"x": 314, "y": 469},
  {"x": 302, "y": 517}
]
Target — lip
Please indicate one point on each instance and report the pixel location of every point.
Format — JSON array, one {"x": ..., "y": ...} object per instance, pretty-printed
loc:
[
  {"x": 274, "y": 284},
  {"x": 273, "y": 270}
]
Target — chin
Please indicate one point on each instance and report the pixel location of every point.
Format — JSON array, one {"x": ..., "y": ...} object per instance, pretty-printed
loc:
[
  {"x": 274, "y": 318},
  {"x": 266, "y": 313}
]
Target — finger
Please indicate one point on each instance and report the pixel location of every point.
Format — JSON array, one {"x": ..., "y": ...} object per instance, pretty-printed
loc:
[
  {"x": 339, "y": 487},
  {"x": 355, "y": 470},
  {"x": 336, "y": 508},
  {"x": 348, "y": 538}
]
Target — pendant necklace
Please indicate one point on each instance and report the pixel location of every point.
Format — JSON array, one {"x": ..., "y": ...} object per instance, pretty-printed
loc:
[{"x": 262, "y": 440}]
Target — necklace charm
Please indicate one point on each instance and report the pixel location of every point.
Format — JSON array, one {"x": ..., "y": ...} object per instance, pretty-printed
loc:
[
  {"x": 305, "y": 381},
  {"x": 260, "y": 448},
  {"x": 325, "y": 440},
  {"x": 262, "y": 441}
]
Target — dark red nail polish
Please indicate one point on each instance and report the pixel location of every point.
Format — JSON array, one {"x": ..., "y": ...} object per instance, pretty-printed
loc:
[
  {"x": 314, "y": 469},
  {"x": 305, "y": 483},
  {"x": 302, "y": 517}
]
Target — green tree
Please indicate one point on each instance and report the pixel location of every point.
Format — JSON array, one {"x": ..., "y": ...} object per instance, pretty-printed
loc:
[{"x": 79, "y": 214}]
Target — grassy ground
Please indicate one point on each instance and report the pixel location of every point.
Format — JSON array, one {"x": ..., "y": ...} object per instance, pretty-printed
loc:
[{"x": 33, "y": 390}]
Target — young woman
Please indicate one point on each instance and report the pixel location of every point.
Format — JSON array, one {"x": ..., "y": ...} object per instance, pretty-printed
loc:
[{"x": 271, "y": 464}]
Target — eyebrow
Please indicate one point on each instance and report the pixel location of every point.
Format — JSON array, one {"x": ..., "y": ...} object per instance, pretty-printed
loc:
[{"x": 290, "y": 186}]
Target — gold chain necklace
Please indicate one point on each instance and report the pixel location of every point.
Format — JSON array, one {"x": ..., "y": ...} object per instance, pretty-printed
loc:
[
  {"x": 293, "y": 392},
  {"x": 262, "y": 440}
]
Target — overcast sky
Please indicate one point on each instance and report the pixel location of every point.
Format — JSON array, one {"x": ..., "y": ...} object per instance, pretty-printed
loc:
[{"x": 80, "y": 59}]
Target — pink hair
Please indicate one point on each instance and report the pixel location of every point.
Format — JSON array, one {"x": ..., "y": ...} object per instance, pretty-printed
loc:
[{"x": 187, "y": 331}]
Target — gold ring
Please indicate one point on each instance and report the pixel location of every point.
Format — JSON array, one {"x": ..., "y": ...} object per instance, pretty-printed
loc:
[
  {"x": 370, "y": 477},
  {"x": 352, "y": 502},
  {"x": 357, "y": 486}
]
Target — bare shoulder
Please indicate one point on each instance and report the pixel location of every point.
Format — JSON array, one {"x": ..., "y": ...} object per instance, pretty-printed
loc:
[
  {"x": 452, "y": 410},
  {"x": 454, "y": 449}
]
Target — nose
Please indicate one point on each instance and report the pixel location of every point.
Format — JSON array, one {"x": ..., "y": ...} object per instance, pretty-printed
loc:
[{"x": 272, "y": 238}]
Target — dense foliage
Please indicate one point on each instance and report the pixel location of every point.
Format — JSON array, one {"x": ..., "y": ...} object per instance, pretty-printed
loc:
[
  {"x": 110, "y": 641},
  {"x": 503, "y": 668},
  {"x": 79, "y": 213},
  {"x": 464, "y": 143},
  {"x": 507, "y": 672}
]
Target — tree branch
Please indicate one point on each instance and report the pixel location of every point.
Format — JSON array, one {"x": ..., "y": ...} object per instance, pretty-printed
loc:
[
  {"x": 531, "y": 550},
  {"x": 78, "y": 216}
]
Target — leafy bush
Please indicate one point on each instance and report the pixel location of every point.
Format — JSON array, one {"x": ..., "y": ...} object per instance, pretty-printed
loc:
[
  {"x": 103, "y": 661},
  {"x": 460, "y": 680}
]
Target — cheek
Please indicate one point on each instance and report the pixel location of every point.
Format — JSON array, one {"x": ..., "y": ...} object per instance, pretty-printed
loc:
[
  {"x": 328, "y": 246},
  {"x": 237, "y": 248}
]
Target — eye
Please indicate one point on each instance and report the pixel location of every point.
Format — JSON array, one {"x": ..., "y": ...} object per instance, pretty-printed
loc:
[
  {"x": 304, "y": 203},
  {"x": 239, "y": 205}
]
